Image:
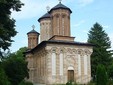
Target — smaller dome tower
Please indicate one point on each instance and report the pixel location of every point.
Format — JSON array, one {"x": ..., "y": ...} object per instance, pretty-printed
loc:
[
  {"x": 32, "y": 38},
  {"x": 45, "y": 26}
]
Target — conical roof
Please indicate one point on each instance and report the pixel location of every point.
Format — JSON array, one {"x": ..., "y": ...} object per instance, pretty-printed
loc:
[
  {"x": 47, "y": 15},
  {"x": 60, "y": 6},
  {"x": 33, "y": 31}
]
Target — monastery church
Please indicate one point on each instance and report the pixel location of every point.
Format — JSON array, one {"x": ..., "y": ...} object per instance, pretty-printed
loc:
[{"x": 57, "y": 59}]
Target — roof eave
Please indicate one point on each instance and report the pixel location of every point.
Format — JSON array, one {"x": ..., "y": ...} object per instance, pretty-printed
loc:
[
  {"x": 43, "y": 44},
  {"x": 60, "y": 8}
]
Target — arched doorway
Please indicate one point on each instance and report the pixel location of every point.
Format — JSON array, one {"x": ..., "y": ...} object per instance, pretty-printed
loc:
[{"x": 70, "y": 74}]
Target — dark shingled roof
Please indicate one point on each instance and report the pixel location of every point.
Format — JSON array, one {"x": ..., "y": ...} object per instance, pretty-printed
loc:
[
  {"x": 47, "y": 15},
  {"x": 43, "y": 44},
  {"x": 60, "y": 6},
  {"x": 33, "y": 31}
]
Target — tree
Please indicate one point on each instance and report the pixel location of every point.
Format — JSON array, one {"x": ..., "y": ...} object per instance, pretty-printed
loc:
[
  {"x": 15, "y": 67},
  {"x": 7, "y": 24},
  {"x": 20, "y": 53},
  {"x": 3, "y": 77},
  {"x": 110, "y": 71},
  {"x": 101, "y": 75},
  {"x": 101, "y": 53}
]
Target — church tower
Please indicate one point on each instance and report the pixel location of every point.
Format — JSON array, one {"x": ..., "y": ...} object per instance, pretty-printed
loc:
[
  {"x": 55, "y": 24},
  {"x": 60, "y": 20},
  {"x": 32, "y": 38},
  {"x": 45, "y": 26}
]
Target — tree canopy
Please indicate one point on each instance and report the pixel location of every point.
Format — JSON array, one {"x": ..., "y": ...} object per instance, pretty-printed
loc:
[
  {"x": 7, "y": 24},
  {"x": 101, "y": 51},
  {"x": 15, "y": 67},
  {"x": 3, "y": 77}
]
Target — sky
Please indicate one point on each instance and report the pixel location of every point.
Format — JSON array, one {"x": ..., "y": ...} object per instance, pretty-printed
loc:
[{"x": 85, "y": 13}]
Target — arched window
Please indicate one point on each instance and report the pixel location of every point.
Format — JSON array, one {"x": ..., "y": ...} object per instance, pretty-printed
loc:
[
  {"x": 58, "y": 24},
  {"x": 63, "y": 23}
]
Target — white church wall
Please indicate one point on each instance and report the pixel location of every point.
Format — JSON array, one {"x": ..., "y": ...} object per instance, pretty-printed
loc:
[
  {"x": 85, "y": 65},
  {"x": 69, "y": 57},
  {"x": 79, "y": 65},
  {"x": 61, "y": 64},
  {"x": 53, "y": 63}
]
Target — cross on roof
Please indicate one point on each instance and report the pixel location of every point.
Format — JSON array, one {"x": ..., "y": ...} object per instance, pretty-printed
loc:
[
  {"x": 60, "y": 1},
  {"x": 48, "y": 8},
  {"x": 33, "y": 26}
]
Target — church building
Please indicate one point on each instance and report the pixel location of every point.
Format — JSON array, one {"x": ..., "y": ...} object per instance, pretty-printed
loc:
[{"x": 57, "y": 59}]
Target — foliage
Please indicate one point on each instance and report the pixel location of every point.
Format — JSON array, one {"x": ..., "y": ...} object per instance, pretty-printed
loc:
[
  {"x": 3, "y": 77},
  {"x": 15, "y": 67},
  {"x": 110, "y": 71},
  {"x": 7, "y": 24},
  {"x": 69, "y": 83},
  {"x": 26, "y": 83},
  {"x": 110, "y": 82},
  {"x": 20, "y": 53},
  {"x": 101, "y": 75},
  {"x": 91, "y": 83},
  {"x": 101, "y": 53}
]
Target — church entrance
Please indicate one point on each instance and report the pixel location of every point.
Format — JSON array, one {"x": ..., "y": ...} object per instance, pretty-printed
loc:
[{"x": 71, "y": 75}]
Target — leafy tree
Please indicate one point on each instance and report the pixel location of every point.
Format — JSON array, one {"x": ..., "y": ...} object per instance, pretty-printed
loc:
[
  {"x": 101, "y": 75},
  {"x": 20, "y": 53},
  {"x": 101, "y": 53},
  {"x": 15, "y": 67},
  {"x": 3, "y": 77},
  {"x": 7, "y": 24}
]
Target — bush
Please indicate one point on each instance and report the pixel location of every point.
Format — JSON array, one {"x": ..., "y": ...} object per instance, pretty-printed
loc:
[
  {"x": 110, "y": 82},
  {"x": 26, "y": 83},
  {"x": 69, "y": 83},
  {"x": 101, "y": 76}
]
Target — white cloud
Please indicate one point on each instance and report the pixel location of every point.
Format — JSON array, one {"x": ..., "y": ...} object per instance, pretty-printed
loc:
[
  {"x": 79, "y": 23},
  {"x": 84, "y": 2},
  {"x": 32, "y": 8},
  {"x": 105, "y": 26},
  {"x": 111, "y": 38}
]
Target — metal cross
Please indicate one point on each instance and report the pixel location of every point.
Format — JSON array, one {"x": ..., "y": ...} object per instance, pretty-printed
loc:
[
  {"x": 60, "y": 1},
  {"x": 33, "y": 26},
  {"x": 48, "y": 8}
]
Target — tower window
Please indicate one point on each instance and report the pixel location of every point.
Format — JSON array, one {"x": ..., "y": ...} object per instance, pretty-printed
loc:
[
  {"x": 57, "y": 16},
  {"x": 63, "y": 16}
]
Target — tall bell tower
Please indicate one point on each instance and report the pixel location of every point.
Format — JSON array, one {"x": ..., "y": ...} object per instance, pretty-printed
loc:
[{"x": 60, "y": 20}]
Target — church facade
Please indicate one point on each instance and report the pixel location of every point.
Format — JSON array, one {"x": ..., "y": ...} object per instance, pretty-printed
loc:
[{"x": 57, "y": 59}]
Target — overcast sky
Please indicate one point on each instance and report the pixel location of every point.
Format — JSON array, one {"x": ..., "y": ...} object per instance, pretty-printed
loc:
[{"x": 85, "y": 13}]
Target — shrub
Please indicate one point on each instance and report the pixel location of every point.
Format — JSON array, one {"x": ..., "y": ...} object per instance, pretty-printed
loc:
[
  {"x": 110, "y": 82},
  {"x": 26, "y": 83},
  {"x": 69, "y": 83},
  {"x": 101, "y": 75}
]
